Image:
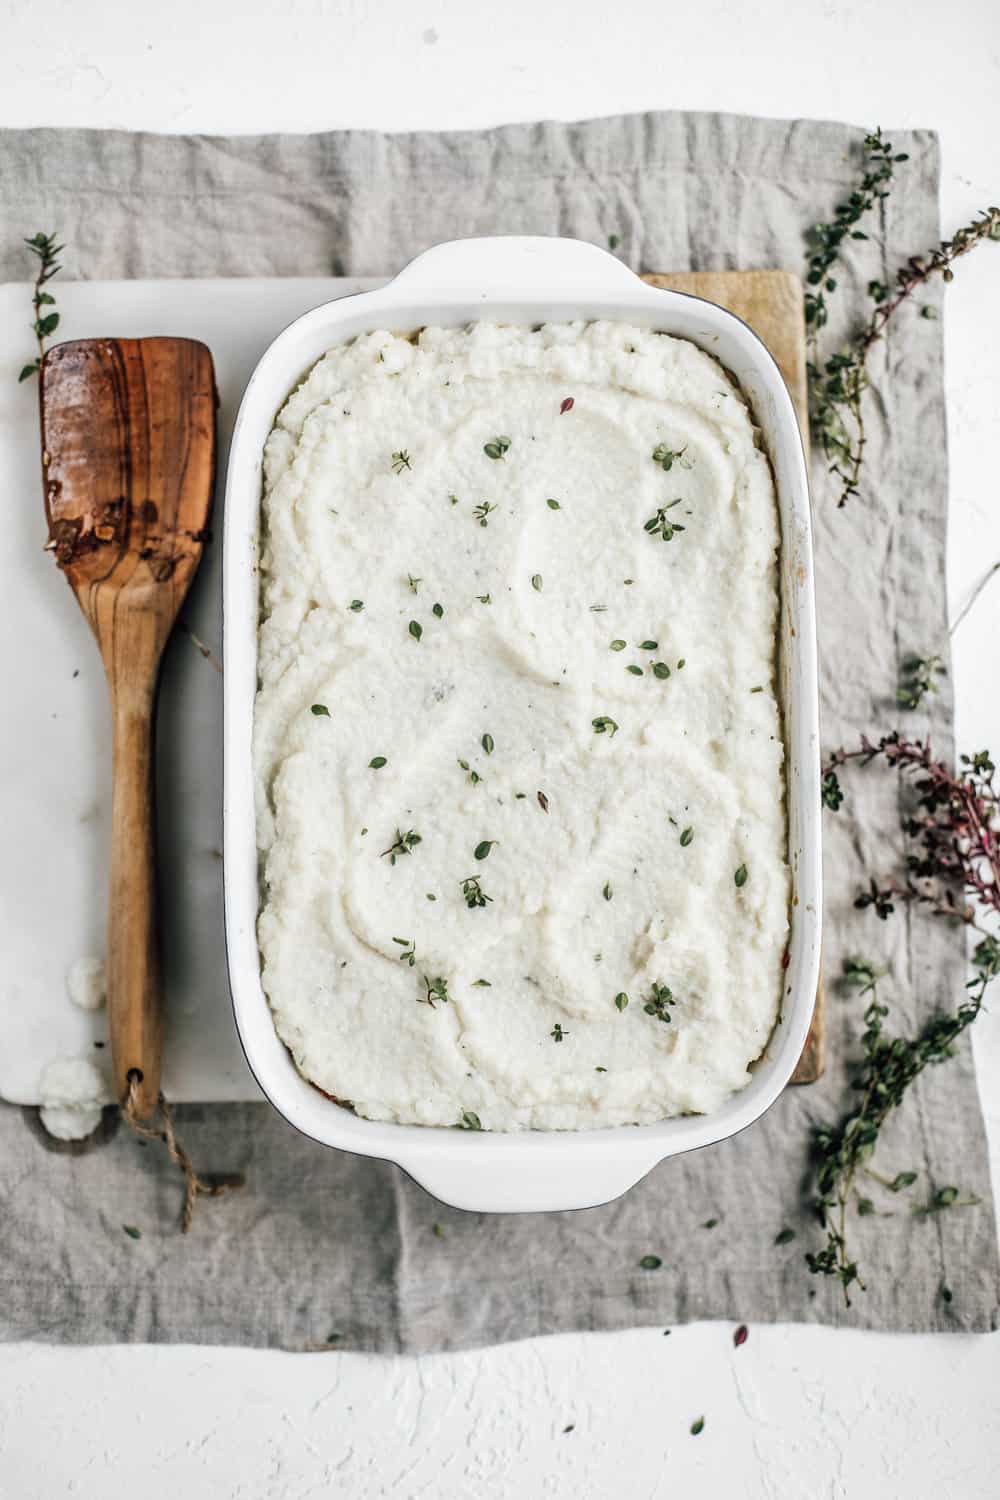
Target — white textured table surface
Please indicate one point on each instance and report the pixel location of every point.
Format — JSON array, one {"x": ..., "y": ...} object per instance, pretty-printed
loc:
[{"x": 796, "y": 1411}]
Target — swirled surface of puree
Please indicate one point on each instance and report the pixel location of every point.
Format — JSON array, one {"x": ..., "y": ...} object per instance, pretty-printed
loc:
[{"x": 518, "y": 758}]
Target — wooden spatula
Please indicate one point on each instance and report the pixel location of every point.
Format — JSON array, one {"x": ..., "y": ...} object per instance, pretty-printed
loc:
[{"x": 128, "y": 456}]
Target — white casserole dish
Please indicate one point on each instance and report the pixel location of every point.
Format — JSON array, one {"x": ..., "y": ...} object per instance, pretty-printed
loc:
[{"x": 519, "y": 280}]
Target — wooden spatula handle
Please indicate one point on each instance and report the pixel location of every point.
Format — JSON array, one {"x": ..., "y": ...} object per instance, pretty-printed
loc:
[{"x": 135, "y": 973}]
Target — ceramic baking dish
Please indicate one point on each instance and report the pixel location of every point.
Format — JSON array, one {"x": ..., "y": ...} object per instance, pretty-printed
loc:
[{"x": 531, "y": 281}]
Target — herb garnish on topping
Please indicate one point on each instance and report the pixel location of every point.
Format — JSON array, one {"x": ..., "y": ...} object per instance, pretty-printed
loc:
[
  {"x": 409, "y": 954},
  {"x": 667, "y": 457},
  {"x": 474, "y": 893},
  {"x": 660, "y": 997},
  {"x": 659, "y": 525},
  {"x": 404, "y": 843},
  {"x": 437, "y": 989}
]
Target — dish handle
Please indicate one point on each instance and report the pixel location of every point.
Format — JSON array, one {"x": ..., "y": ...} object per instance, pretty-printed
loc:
[
  {"x": 481, "y": 1183},
  {"x": 500, "y": 265}
]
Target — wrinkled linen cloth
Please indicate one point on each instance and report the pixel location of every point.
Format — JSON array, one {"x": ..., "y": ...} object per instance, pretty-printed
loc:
[{"x": 324, "y": 1249}]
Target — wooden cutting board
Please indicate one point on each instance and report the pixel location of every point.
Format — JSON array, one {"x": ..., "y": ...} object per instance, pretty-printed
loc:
[{"x": 771, "y": 303}]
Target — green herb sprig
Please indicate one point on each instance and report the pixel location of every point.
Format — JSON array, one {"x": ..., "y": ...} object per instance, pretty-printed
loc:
[
  {"x": 660, "y": 524},
  {"x": 473, "y": 892},
  {"x": 403, "y": 843},
  {"x": 879, "y": 163},
  {"x": 666, "y": 457},
  {"x": 889, "y": 1066},
  {"x": 837, "y": 385},
  {"x": 954, "y": 851},
  {"x": 434, "y": 990},
  {"x": 918, "y": 677},
  {"x": 45, "y": 323},
  {"x": 658, "y": 1002},
  {"x": 409, "y": 953}
]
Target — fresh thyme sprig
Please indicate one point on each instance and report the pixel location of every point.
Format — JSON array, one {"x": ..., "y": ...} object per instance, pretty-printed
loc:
[
  {"x": 474, "y": 893},
  {"x": 436, "y": 989},
  {"x": 838, "y": 384},
  {"x": 828, "y": 239},
  {"x": 660, "y": 524},
  {"x": 888, "y": 1067},
  {"x": 401, "y": 461},
  {"x": 918, "y": 677},
  {"x": 946, "y": 1197},
  {"x": 409, "y": 953},
  {"x": 483, "y": 511},
  {"x": 404, "y": 843},
  {"x": 666, "y": 457},
  {"x": 956, "y": 828},
  {"x": 45, "y": 323},
  {"x": 658, "y": 1001}
]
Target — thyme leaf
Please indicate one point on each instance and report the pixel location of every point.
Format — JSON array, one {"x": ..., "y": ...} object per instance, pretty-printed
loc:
[
  {"x": 474, "y": 896},
  {"x": 435, "y": 989},
  {"x": 404, "y": 843},
  {"x": 658, "y": 1002},
  {"x": 666, "y": 457},
  {"x": 660, "y": 524},
  {"x": 409, "y": 954},
  {"x": 45, "y": 248}
]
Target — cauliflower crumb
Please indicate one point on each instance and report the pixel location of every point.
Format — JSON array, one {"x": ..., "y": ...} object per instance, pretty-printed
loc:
[
  {"x": 73, "y": 1094},
  {"x": 86, "y": 983}
]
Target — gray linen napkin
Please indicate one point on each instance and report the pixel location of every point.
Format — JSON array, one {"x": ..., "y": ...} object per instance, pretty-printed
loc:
[{"x": 325, "y": 1249}]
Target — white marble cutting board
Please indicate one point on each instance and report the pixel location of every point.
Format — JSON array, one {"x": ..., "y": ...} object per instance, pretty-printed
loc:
[
  {"x": 55, "y": 752},
  {"x": 54, "y": 740}
]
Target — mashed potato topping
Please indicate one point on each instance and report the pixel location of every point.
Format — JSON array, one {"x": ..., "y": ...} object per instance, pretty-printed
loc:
[{"x": 518, "y": 755}]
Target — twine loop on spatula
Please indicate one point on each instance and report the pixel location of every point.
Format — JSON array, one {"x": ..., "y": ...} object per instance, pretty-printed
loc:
[{"x": 160, "y": 1127}]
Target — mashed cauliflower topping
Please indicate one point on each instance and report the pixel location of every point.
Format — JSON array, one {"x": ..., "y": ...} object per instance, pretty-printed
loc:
[{"x": 518, "y": 756}]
